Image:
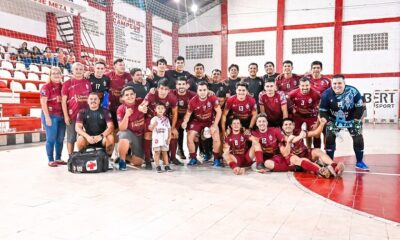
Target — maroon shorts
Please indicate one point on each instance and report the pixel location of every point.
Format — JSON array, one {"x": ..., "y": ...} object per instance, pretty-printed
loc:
[
  {"x": 298, "y": 121},
  {"x": 306, "y": 154},
  {"x": 198, "y": 126},
  {"x": 244, "y": 160},
  {"x": 281, "y": 163}
]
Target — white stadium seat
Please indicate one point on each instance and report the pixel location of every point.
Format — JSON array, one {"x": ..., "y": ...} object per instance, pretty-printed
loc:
[
  {"x": 33, "y": 76},
  {"x": 7, "y": 65},
  {"x": 19, "y": 75},
  {"x": 19, "y": 66},
  {"x": 5, "y": 73},
  {"x": 40, "y": 86},
  {"x": 65, "y": 71},
  {"x": 66, "y": 78},
  {"x": 34, "y": 68},
  {"x": 45, "y": 77},
  {"x": 30, "y": 87},
  {"x": 16, "y": 86},
  {"x": 2, "y": 49},
  {"x": 45, "y": 69}
]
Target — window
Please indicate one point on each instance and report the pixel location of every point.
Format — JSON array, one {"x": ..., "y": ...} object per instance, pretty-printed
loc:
[
  {"x": 307, "y": 45},
  {"x": 199, "y": 51},
  {"x": 370, "y": 42},
  {"x": 250, "y": 48}
]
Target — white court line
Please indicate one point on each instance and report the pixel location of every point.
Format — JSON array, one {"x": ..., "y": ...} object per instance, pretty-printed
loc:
[{"x": 374, "y": 173}]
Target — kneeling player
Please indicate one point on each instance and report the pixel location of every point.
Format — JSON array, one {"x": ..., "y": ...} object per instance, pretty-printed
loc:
[
  {"x": 207, "y": 113},
  {"x": 236, "y": 151}
]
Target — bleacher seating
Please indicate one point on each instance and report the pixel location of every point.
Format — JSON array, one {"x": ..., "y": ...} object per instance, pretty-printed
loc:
[
  {"x": 45, "y": 69},
  {"x": 7, "y": 65},
  {"x": 34, "y": 68},
  {"x": 19, "y": 75},
  {"x": 20, "y": 66},
  {"x": 44, "y": 77},
  {"x": 5, "y": 73},
  {"x": 30, "y": 87},
  {"x": 33, "y": 76},
  {"x": 16, "y": 86}
]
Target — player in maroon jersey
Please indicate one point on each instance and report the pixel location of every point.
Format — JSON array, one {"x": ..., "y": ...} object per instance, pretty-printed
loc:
[
  {"x": 207, "y": 113},
  {"x": 183, "y": 95},
  {"x": 287, "y": 81},
  {"x": 273, "y": 104},
  {"x": 236, "y": 149},
  {"x": 318, "y": 82},
  {"x": 240, "y": 106},
  {"x": 274, "y": 148},
  {"x": 164, "y": 96},
  {"x": 118, "y": 79},
  {"x": 305, "y": 157},
  {"x": 305, "y": 107}
]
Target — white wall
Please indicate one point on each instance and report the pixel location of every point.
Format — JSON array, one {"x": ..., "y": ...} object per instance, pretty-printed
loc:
[
  {"x": 243, "y": 62},
  {"x": 206, "y": 22},
  {"x": 209, "y": 63},
  {"x": 370, "y": 9},
  {"x": 162, "y": 23},
  {"x": 301, "y": 62},
  {"x": 162, "y": 43},
  {"x": 22, "y": 24},
  {"x": 371, "y": 61},
  {"x": 310, "y": 11},
  {"x": 96, "y": 27},
  {"x": 251, "y": 14}
]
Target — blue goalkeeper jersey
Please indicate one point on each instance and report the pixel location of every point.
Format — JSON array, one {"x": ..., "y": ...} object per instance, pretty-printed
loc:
[{"x": 341, "y": 108}]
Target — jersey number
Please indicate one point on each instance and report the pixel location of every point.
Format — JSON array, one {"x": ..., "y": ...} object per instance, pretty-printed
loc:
[
  {"x": 302, "y": 102},
  {"x": 98, "y": 85}
]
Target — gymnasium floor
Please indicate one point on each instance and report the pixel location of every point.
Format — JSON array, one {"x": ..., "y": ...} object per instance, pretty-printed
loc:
[{"x": 38, "y": 202}]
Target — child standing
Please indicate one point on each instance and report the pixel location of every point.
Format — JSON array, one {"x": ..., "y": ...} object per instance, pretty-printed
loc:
[{"x": 161, "y": 136}]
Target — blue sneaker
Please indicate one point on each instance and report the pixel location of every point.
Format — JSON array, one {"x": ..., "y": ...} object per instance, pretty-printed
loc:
[
  {"x": 217, "y": 163},
  {"x": 193, "y": 162},
  {"x": 122, "y": 165},
  {"x": 362, "y": 166}
]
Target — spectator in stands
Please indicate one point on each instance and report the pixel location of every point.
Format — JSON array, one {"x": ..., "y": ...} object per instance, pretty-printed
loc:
[
  {"x": 48, "y": 57},
  {"x": 52, "y": 117},
  {"x": 36, "y": 55},
  {"x": 94, "y": 126},
  {"x": 70, "y": 60},
  {"x": 61, "y": 57},
  {"x": 22, "y": 50},
  {"x": 12, "y": 53},
  {"x": 74, "y": 98},
  {"x": 27, "y": 58}
]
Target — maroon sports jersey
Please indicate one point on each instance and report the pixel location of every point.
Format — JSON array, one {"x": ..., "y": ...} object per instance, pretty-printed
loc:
[
  {"x": 170, "y": 102},
  {"x": 136, "y": 119},
  {"x": 273, "y": 105},
  {"x": 52, "y": 91},
  {"x": 241, "y": 109},
  {"x": 305, "y": 105},
  {"x": 287, "y": 84},
  {"x": 77, "y": 92},
  {"x": 298, "y": 148},
  {"x": 320, "y": 84},
  {"x": 270, "y": 140},
  {"x": 183, "y": 102},
  {"x": 237, "y": 143},
  {"x": 117, "y": 82},
  {"x": 203, "y": 110}
]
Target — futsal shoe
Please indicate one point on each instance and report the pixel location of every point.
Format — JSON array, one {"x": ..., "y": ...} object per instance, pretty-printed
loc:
[
  {"x": 148, "y": 165},
  {"x": 339, "y": 169},
  {"x": 122, "y": 165},
  {"x": 362, "y": 166},
  {"x": 324, "y": 172},
  {"x": 193, "y": 162},
  {"x": 181, "y": 154},
  {"x": 217, "y": 163}
]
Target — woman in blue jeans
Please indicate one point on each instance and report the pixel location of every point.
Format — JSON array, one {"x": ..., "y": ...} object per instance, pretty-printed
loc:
[{"x": 52, "y": 117}]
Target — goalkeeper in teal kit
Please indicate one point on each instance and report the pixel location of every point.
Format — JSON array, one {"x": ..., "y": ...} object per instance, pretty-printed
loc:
[{"x": 342, "y": 107}]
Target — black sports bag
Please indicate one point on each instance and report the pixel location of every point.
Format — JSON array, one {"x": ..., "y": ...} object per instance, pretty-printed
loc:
[{"x": 90, "y": 161}]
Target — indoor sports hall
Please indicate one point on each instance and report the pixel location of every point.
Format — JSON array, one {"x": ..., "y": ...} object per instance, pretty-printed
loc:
[{"x": 162, "y": 166}]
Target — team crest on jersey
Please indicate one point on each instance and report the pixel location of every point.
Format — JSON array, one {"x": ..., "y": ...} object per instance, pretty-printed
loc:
[
  {"x": 181, "y": 103},
  {"x": 340, "y": 104},
  {"x": 241, "y": 139},
  {"x": 208, "y": 104},
  {"x": 247, "y": 106},
  {"x": 167, "y": 104},
  {"x": 295, "y": 82},
  {"x": 310, "y": 100},
  {"x": 270, "y": 137}
]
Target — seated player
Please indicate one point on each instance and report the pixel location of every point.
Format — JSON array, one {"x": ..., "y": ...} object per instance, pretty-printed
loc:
[
  {"x": 207, "y": 113},
  {"x": 273, "y": 104},
  {"x": 305, "y": 157},
  {"x": 161, "y": 137},
  {"x": 305, "y": 108},
  {"x": 237, "y": 153},
  {"x": 131, "y": 128},
  {"x": 273, "y": 147},
  {"x": 240, "y": 106},
  {"x": 94, "y": 126}
]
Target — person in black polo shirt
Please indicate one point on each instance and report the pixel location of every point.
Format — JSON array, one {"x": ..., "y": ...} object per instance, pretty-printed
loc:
[
  {"x": 100, "y": 83},
  {"x": 199, "y": 76},
  {"x": 141, "y": 86},
  {"x": 233, "y": 79},
  {"x": 172, "y": 75},
  {"x": 269, "y": 71},
  {"x": 94, "y": 126},
  {"x": 256, "y": 84},
  {"x": 159, "y": 74}
]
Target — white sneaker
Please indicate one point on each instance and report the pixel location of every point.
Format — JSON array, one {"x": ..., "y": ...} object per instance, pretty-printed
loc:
[{"x": 110, "y": 164}]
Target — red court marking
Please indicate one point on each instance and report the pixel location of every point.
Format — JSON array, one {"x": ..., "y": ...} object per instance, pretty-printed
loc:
[{"x": 376, "y": 194}]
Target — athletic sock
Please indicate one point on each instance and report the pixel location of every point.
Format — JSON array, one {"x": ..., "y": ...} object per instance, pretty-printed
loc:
[
  {"x": 172, "y": 148},
  {"x": 216, "y": 156},
  {"x": 359, "y": 154},
  {"x": 309, "y": 166},
  {"x": 259, "y": 156},
  {"x": 147, "y": 150},
  {"x": 232, "y": 165},
  {"x": 193, "y": 155}
]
